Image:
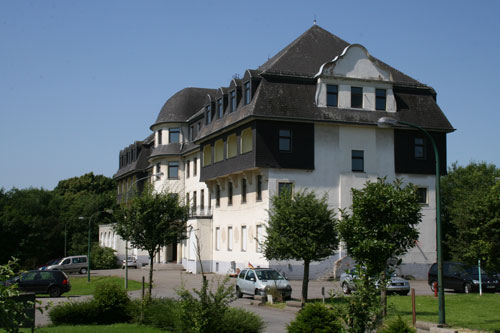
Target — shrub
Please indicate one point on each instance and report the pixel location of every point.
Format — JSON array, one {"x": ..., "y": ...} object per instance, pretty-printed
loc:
[
  {"x": 74, "y": 313},
  {"x": 112, "y": 303},
  {"x": 238, "y": 320},
  {"x": 315, "y": 317},
  {"x": 397, "y": 325},
  {"x": 162, "y": 313},
  {"x": 103, "y": 257}
]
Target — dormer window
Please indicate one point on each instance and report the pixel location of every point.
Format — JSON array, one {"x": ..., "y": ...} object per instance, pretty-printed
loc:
[
  {"x": 232, "y": 99},
  {"x": 208, "y": 111},
  {"x": 159, "y": 137},
  {"x": 220, "y": 108},
  {"x": 380, "y": 99},
  {"x": 332, "y": 95},
  {"x": 247, "y": 93},
  {"x": 174, "y": 135},
  {"x": 357, "y": 97}
]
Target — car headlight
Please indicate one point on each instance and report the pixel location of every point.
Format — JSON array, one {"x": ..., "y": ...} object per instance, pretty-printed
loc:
[
  {"x": 475, "y": 281},
  {"x": 495, "y": 281}
]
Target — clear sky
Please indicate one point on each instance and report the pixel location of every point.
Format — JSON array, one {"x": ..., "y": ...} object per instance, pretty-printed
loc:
[{"x": 80, "y": 80}]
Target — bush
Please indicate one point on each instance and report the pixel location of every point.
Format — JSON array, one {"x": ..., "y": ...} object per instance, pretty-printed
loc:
[
  {"x": 112, "y": 303},
  {"x": 315, "y": 317},
  {"x": 162, "y": 313},
  {"x": 397, "y": 325},
  {"x": 241, "y": 321},
  {"x": 103, "y": 257},
  {"x": 74, "y": 313}
]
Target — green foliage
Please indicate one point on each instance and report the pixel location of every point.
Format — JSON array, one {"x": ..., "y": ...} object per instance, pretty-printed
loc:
[
  {"x": 112, "y": 302},
  {"x": 471, "y": 214},
  {"x": 163, "y": 313},
  {"x": 300, "y": 227},
  {"x": 11, "y": 312},
  {"x": 317, "y": 318},
  {"x": 152, "y": 220},
  {"x": 397, "y": 325},
  {"x": 103, "y": 257},
  {"x": 75, "y": 313},
  {"x": 238, "y": 320},
  {"x": 204, "y": 310},
  {"x": 382, "y": 225}
]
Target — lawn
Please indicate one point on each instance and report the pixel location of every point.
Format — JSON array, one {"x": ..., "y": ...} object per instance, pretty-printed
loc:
[
  {"x": 80, "y": 286},
  {"x": 96, "y": 328}
]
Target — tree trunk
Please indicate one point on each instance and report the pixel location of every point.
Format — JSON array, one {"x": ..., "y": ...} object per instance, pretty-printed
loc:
[
  {"x": 305, "y": 283},
  {"x": 151, "y": 259},
  {"x": 383, "y": 294}
]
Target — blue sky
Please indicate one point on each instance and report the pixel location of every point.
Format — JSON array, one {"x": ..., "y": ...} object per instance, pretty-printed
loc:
[{"x": 80, "y": 80}]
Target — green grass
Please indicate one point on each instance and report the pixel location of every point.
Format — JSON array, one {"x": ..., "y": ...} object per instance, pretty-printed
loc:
[
  {"x": 80, "y": 286},
  {"x": 96, "y": 328},
  {"x": 464, "y": 311}
]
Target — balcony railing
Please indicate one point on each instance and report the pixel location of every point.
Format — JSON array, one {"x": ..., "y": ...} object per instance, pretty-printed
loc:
[{"x": 204, "y": 211}]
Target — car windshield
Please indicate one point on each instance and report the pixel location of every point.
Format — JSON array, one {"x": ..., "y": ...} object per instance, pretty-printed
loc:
[
  {"x": 52, "y": 262},
  {"x": 269, "y": 275},
  {"x": 474, "y": 270}
]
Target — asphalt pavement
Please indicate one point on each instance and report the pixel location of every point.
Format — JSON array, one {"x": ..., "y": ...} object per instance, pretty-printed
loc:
[{"x": 167, "y": 281}]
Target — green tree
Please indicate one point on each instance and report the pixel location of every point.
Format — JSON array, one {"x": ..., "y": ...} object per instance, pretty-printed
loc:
[
  {"x": 152, "y": 220},
  {"x": 381, "y": 227},
  {"x": 301, "y": 227},
  {"x": 471, "y": 214}
]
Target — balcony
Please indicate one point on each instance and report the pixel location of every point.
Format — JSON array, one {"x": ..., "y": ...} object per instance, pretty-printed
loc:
[{"x": 200, "y": 211}]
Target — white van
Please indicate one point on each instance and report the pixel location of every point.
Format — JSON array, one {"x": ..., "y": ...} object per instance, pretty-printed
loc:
[{"x": 73, "y": 264}]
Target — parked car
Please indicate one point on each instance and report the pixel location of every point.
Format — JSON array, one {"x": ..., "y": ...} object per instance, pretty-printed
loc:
[
  {"x": 258, "y": 281},
  {"x": 76, "y": 264},
  {"x": 54, "y": 283},
  {"x": 131, "y": 262},
  {"x": 49, "y": 263},
  {"x": 396, "y": 284},
  {"x": 462, "y": 278}
]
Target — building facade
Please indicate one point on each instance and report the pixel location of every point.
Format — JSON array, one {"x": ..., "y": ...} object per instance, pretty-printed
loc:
[{"x": 306, "y": 118}]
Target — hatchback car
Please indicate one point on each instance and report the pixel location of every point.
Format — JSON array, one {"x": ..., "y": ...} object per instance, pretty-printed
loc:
[
  {"x": 54, "y": 283},
  {"x": 462, "y": 278},
  {"x": 258, "y": 281},
  {"x": 396, "y": 284},
  {"x": 131, "y": 262}
]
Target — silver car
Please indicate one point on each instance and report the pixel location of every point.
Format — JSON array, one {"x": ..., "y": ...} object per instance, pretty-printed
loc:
[
  {"x": 258, "y": 281},
  {"x": 395, "y": 285},
  {"x": 73, "y": 264}
]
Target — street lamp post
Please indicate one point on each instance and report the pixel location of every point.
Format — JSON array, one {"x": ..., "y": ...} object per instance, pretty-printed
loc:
[
  {"x": 386, "y": 122},
  {"x": 159, "y": 174}
]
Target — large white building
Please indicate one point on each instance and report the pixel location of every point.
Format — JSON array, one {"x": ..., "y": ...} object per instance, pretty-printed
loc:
[{"x": 306, "y": 118}]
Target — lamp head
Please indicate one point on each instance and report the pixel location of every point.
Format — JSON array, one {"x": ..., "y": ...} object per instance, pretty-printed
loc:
[{"x": 386, "y": 122}]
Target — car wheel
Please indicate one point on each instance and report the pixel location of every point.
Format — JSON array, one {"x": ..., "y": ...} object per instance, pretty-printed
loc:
[
  {"x": 345, "y": 288},
  {"x": 239, "y": 294},
  {"x": 433, "y": 283},
  {"x": 467, "y": 288},
  {"x": 83, "y": 270},
  {"x": 54, "y": 291}
]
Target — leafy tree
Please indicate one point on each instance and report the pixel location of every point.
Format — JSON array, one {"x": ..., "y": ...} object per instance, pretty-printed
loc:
[
  {"x": 301, "y": 227},
  {"x": 103, "y": 257},
  {"x": 382, "y": 226},
  {"x": 152, "y": 220},
  {"x": 471, "y": 214}
]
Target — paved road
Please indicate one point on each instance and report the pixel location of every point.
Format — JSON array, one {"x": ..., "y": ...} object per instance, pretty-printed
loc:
[{"x": 167, "y": 281}]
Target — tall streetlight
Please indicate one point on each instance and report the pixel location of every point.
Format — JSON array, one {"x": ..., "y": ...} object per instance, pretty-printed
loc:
[
  {"x": 159, "y": 174},
  {"x": 386, "y": 122},
  {"x": 109, "y": 211}
]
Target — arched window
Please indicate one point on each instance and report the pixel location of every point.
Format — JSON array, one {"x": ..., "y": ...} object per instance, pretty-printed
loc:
[
  {"x": 246, "y": 140},
  {"x": 219, "y": 150},
  {"x": 207, "y": 155},
  {"x": 232, "y": 146}
]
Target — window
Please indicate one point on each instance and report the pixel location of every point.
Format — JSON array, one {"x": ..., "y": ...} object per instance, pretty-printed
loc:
[
  {"x": 173, "y": 170},
  {"x": 356, "y": 97},
  {"x": 260, "y": 238},
  {"x": 229, "y": 193},
  {"x": 174, "y": 135},
  {"x": 209, "y": 200},
  {"x": 244, "y": 238},
  {"x": 188, "y": 168},
  {"x": 202, "y": 199},
  {"x": 195, "y": 166},
  {"x": 207, "y": 155},
  {"x": 232, "y": 146},
  {"x": 380, "y": 99},
  {"x": 220, "y": 108},
  {"x": 259, "y": 188},
  {"x": 217, "y": 238},
  {"x": 246, "y": 140},
  {"x": 199, "y": 127},
  {"x": 242, "y": 274},
  {"x": 285, "y": 140},
  {"x": 358, "y": 160},
  {"x": 191, "y": 133},
  {"x": 332, "y": 95},
  {"x": 194, "y": 202},
  {"x": 229, "y": 238},
  {"x": 243, "y": 190},
  {"x": 247, "y": 92},
  {"x": 208, "y": 114},
  {"x": 285, "y": 187},
  {"x": 187, "y": 200},
  {"x": 232, "y": 99},
  {"x": 218, "y": 151},
  {"x": 158, "y": 169},
  {"x": 217, "y": 195},
  {"x": 159, "y": 137},
  {"x": 420, "y": 148},
  {"x": 250, "y": 276},
  {"x": 422, "y": 195}
]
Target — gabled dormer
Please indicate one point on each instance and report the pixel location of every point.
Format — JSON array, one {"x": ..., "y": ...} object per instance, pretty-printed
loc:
[
  {"x": 250, "y": 82},
  {"x": 209, "y": 109},
  {"x": 221, "y": 102},
  {"x": 355, "y": 80},
  {"x": 234, "y": 95}
]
